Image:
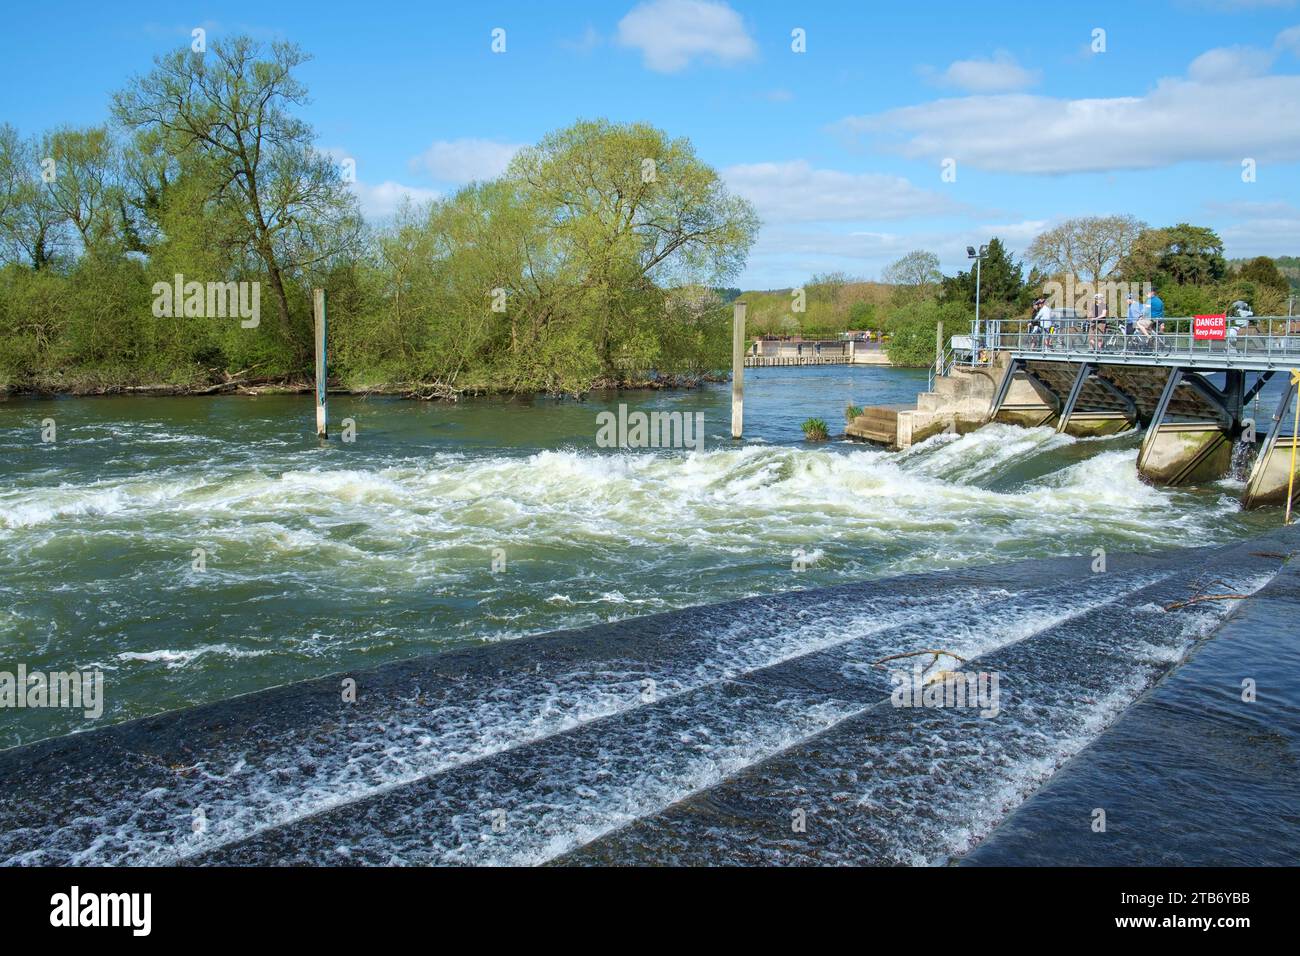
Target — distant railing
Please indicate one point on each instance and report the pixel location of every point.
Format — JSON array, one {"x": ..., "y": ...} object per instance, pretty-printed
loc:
[
  {"x": 1265, "y": 338},
  {"x": 942, "y": 368},
  {"x": 800, "y": 348}
]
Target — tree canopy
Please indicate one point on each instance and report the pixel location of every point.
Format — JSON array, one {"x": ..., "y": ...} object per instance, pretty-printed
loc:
[{"x": 593, "y": 259}]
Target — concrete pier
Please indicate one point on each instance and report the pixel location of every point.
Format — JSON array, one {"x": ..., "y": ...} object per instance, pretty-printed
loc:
[
  {"x": 958, "y": 404},
  {"x": 1271, "y": 476}
]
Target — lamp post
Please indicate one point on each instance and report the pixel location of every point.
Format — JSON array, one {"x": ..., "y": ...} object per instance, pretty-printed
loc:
[{"x": 979, "y": 259}]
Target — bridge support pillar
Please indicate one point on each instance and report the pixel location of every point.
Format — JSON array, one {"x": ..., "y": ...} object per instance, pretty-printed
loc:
[
  {"x": 1023, "y": 400},
  {"x": 1271, "y": 473},
  {"x": 1190, "y": 451}
]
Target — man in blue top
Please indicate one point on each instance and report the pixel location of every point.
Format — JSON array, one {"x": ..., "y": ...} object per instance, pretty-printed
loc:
[
  {"x": 1156, "y": 305},
  {"x": 1134, "y": 313}
]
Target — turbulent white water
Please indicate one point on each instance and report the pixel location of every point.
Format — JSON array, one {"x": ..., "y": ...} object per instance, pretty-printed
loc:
[
  {"x": 195, "y": 560},
  {"x": 308, "y": 564}
]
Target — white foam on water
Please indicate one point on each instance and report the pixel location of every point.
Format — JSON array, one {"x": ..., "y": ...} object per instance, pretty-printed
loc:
[
  {"x": 1010, "y": 766},
  {"x": 980, "y": 454},
  {"x": 416, "y": 740},
  {"x": 181, "y": 658}
]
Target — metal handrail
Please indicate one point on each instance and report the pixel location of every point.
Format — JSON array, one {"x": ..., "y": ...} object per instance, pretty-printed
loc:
[
  {"x": 948, "y": 361},
  {"x": 1258, "y": 341}
]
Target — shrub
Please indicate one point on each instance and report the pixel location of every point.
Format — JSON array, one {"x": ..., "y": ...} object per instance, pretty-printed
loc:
[{"x": 814, "y": 429}]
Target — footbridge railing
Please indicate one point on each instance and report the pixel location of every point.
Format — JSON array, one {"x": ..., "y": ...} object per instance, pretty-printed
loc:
[{"x": 1254, "y": 343}]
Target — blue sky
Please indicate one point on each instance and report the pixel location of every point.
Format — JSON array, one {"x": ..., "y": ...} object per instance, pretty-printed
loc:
[{"x": 842, "y": 147}]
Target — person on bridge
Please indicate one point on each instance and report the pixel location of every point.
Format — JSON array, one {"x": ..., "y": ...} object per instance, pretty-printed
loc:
[
  {"x": 1134, "y": 313},
  {"x": 1097, "y": 327},
  {"x": 1146, "y": 332},
  {"x": 1155, "y": 306},
  {"x": 1040, "y": 323}
]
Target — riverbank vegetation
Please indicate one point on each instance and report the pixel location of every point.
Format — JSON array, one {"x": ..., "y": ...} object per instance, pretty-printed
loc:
[{"x": 593, "y": 260}]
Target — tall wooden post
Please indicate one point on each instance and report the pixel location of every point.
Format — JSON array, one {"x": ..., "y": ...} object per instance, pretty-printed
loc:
[
  {"x": 738, "y": 370},
  {"x": 322, "y": 373},
  {"x": 938, "y": 350}
]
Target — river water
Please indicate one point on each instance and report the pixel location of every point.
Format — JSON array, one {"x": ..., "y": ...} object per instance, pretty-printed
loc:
[{"x": 199, "y": 548}]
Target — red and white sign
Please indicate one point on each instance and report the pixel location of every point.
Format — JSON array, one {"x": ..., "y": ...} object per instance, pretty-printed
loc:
[{"x": 1209, "y": 327}]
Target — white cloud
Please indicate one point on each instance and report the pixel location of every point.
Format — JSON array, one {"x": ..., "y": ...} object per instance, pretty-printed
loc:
[
  {"x": 465, "y": 160},
  {"x": 671, "y": 33},
  {"x": 796, "y": 192},
  {"x": 384, "y": 199},
  {"x": 589, "y": 40},
  {"x": 1289, "y": 39},
  {"x": 1229, "y": 63},
  {"x": 1000, "y": 74},
  {"x": 1178, "y": 121},
  {"x": 1224, "y": 110},
  {"x": 788, "y": 255},
  {"x": 1260, "y": 228}
]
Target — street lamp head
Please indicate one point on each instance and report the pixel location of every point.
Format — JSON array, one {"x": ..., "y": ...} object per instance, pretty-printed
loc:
[{"x": 970, "y": 252}]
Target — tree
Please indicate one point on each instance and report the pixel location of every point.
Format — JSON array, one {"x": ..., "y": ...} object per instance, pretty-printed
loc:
[
  {"x": 12, "y": 175},
  {"x": 628, "y": 207},
  {"x": 912, "y": 326},
  {"x": 1002, "y": 289},
  {"x": 1263, "y": 271},
  {"x": 1183, "y": 254},
  {"x": 285, "y": 202},
  {"x": 33, "y": 227},
  {"x": 915, "y": 275},
  {"x": 1090, "y": 247},
  {"x": 83, "y": 185}
]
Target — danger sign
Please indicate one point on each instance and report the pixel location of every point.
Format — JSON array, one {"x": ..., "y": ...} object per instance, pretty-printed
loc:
[{"x": 1209, "y": 327}]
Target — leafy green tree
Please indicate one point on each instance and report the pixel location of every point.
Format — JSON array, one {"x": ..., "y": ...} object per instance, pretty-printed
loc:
[
  {"x": 911, "y": 329},
  {"x": 1090, "y": 247},
  {"x": 627, "y": 206},
  {"x": 1183, "y": 254},
  {"x": 1001, "y": 283},
  {"x": 83, "y": 186},
  {"x": 915, "y": 276},
  {"x": 35, "y": 229},
  {"x": 1263, "y": 271},
  {"x": 283, "y": 203}
]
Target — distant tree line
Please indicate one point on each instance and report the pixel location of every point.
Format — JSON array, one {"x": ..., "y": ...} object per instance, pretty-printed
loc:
[
  {"x": 1183, "y": 263},
  {"x": 600, "y": 256}
]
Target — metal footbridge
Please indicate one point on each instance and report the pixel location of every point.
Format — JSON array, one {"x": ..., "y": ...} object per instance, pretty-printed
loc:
[{"x": 1191, "y": 392}]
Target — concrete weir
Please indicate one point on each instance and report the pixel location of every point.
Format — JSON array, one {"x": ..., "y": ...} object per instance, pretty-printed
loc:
[
  {"x": 1271, "y": 475},
  {"x": 1196, "y": 427}
]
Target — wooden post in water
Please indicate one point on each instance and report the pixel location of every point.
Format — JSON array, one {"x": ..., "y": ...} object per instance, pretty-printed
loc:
[
  {"x": 738, "y": 370},
  {"x": 322, "y": 373},
  {"x": 938, "y": 350}
]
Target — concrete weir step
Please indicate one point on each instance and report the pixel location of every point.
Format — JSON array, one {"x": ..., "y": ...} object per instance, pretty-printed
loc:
[
  {"x": 678, "y": 737},
  {"x": 559, "y": 792},
  {"x": 877, "y": 423},
  {"x": 1197, "y": 724},
  {"x": 908, "y": 785}
]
